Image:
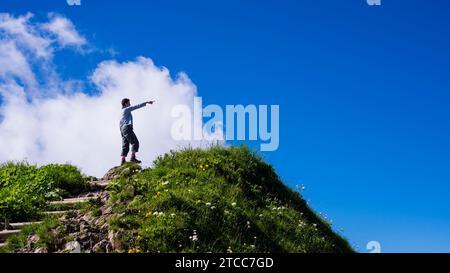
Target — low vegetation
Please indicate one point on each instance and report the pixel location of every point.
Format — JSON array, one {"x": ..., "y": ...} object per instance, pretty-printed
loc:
[
  {"x": 25, "y": 188},
  {"x": 219, "y": 200},
  {"x": 216, "y": 200}
]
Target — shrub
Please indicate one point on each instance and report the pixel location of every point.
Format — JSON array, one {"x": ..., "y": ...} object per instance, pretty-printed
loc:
[
  {"x": 24, "y": 188},
  {"x": 66, "y": 178}
]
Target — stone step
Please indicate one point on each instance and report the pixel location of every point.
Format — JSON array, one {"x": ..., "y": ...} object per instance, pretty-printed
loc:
[
  {"x": 70, "y": 201},
  {"x": 15, "y": 226},
  {"x": 6, "y": 233},
  {"x": 100, "y": 184},
  {"x": 56, "y": 212}
]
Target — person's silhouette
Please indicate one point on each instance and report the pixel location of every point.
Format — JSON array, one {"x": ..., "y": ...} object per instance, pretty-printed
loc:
[{"x": 126, "y": 130}]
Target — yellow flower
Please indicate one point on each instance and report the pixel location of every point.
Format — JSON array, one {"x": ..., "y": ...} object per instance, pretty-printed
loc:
[
  {"x": 149, "y": 214},
  {"x": 134, "y": 250}
]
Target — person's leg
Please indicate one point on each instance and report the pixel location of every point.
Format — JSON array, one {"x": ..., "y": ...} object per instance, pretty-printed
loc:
[
  {"x": 132, "y": 139},
  {"x": 134, "y": 147},
  {"x": 125, "y": 148}
]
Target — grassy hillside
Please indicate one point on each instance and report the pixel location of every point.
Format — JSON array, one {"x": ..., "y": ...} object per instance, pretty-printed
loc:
[{"x": 214, "y": 200}]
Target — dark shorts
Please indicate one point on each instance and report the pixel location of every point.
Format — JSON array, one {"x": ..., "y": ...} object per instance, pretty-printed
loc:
[{"x": 129, "y": 137}]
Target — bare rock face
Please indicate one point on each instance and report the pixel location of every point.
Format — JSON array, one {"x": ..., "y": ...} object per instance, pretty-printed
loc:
[
  {"x": 118, "y": 171},
  {"x": 102, "y": 247},
  {"x": 31, "y": 241},
  {"x": 111, "y": 174},
  {"x": 115, "y": 239},
  {"x": 41, "y": 250},
  {"x": 73, "y": 247}
]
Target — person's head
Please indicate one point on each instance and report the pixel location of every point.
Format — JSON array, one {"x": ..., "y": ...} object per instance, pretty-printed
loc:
[{"x": 125, "y": 102}]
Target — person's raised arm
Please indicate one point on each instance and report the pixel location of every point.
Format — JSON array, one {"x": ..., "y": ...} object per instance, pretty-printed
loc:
[{"x": 140, "y": 105}]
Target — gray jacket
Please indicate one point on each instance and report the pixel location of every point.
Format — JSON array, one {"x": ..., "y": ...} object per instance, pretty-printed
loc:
[{"x": 127, "y": 118}]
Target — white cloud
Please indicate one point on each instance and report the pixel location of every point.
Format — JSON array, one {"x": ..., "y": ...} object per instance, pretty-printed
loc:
[
  {"x": 64, "y": 31},
  {"x": 20, "y": 30},
  {"x": 13, "y": 64},
  {"x": 71, "y": 126}
]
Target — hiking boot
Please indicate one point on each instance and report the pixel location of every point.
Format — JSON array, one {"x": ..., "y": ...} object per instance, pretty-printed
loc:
[{"x": 134, "y": 160}]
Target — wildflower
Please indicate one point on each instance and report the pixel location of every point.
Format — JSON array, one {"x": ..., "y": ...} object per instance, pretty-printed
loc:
[
  {"x": 134, "y": 250},
  {"x": 229, "y": 250},
  {"x": 233, "y": 204},
  {"x": 172, "y": 214},
  {"x": 194, "y": 236},
  {"x": 208, "y": 204},
  {"x": 165, "y": 183},
  {"x": 149, "y": 214},
  {"x": 213, "y": 207},
  {"x": 158, "y": 213}
]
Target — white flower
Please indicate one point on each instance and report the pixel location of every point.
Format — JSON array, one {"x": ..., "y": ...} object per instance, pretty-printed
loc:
[
  {"x": 194, "y": 236},
  {"x": 213, "y": 207},
  {"x": 208, "y": 204},
  {"x": 233, "y": 204},
  {"x": 172, "y": 214},
  {"x": 165, "y": 183}
]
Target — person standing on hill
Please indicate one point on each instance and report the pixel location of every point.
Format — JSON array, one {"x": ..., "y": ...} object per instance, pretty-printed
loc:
[{"x": 126, "y": 130}]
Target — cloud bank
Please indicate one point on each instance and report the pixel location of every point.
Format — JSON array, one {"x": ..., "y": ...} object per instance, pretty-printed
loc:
[{"x": 45, "y": 119}]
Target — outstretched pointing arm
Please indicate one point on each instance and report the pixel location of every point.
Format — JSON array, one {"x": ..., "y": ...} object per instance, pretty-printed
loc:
[{"x": 137, "y": 106}]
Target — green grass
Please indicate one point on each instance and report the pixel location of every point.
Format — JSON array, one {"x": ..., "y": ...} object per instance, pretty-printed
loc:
[
  {"x": 25, "y": 188},
  {"x": 42, "y": 230},
  {"x": 215, "y": 200}
]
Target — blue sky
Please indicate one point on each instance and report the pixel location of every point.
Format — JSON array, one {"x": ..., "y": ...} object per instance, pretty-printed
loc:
[{"x": 363, "y": 94}]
